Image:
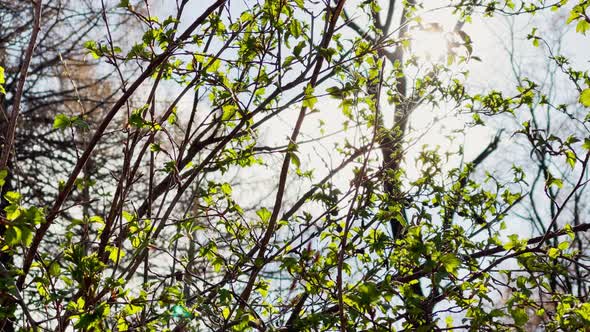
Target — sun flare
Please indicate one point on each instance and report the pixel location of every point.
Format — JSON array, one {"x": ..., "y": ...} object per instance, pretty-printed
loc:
[{"x": 430, "y": 43}]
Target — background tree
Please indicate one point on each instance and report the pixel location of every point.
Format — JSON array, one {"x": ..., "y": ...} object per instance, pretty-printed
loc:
[{"x": 47, "y": 74}]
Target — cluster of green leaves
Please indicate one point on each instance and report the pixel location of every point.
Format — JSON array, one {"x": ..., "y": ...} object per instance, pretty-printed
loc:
[
  {"x": 63, "y": 122},
  {"x": 21, "y": 221}
]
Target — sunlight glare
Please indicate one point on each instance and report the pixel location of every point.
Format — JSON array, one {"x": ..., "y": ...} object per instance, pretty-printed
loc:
[{"x": 430, "y": 43}]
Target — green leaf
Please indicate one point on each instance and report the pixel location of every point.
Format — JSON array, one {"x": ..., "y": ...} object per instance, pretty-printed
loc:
[
  {"x": 584, "y": 312},
  {"x": 570, "y": 158},
  {"x": 334, "y": 91},
  {"x": 2, "y": 91},
  {"x": 12, "y": 197},
  {"x": 246, "y": 16},
  {"x": 172, "y": 118},
  {"x": 514, "y": 243},
  {"x": 61, "y": 122},
  {"x": 264, "y": 214},
  {"x": 226, "y": 189},
  {"x": 228, "y": 112},
  {"x": 13, "y": 235},
  {"x": 368, "y": 294},
  {"x": 295, "y": 159},
  {"x": 155, "y": 147},
  {"x": 552, "y": 181},
  {"x": 93, "y": 48},
  {"x": 3, "y": 175},
  {"x": 96, "y": 219},
  {"x": 569, "y": 231},
  {"x": 18, "y": 235},
  {"x": 298, "y": 48},
  {"x": 309, "y": 100},
  {"x": 114, "y": 253},
  {"x": 54, "y": 269},
  {"x": 553, "y": 252},
  {"x": 79, "y": 123},
  {"x": 136, "y": 118},
  {"x": 582, "y": 26},
  {"x": 451, "y": 263},
  {"x": 225, "y": 313},
  {"x": 563, "y": 245},
  {"x": 213, "y": 66},
  {"x": 122, "y": 325},
  {"x": 477, "y": 119},
  {"x": 449, "y": 321},
  {"x": 585, "y": 97},
  {"x": 520, "y": 316}
]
